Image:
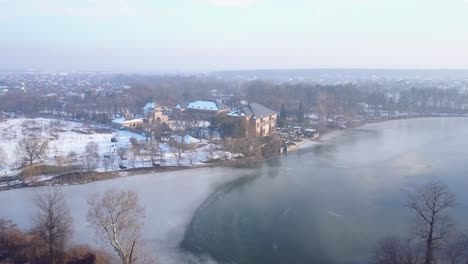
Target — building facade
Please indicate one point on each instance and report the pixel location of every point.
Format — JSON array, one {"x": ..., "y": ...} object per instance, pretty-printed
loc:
[
  {"x": 258, "y": 120},
  {"x": 136, "y": 123},
  {"x": 159, "y": 117}
]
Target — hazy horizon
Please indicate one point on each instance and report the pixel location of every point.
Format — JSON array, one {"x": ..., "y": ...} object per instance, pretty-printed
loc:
[{"x": 179, "y": 36}]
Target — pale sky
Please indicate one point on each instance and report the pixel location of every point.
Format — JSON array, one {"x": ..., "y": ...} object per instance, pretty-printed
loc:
[{"x": 205, "y": 35}]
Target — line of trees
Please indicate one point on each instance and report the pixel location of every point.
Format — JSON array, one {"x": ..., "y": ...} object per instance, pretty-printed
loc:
[
  {"x": 101, "y": 105},
  {"x": 116, "y": 217}
]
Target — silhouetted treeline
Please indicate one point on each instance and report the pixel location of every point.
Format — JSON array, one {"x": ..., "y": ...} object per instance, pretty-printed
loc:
[
  {"x": 116, "y": 217},
  {"x": 346, "y": 97},
  {"x": 17, "y": 246},
  {"x": 101, "y": 103}
]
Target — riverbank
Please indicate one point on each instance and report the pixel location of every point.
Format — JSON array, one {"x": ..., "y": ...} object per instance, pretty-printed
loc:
[
  {"x": 328, "y": 201},
  {"x": 74, "y": 178},
  {"x": 79, "y": 178},
  {"x": 355, "y": 124}
]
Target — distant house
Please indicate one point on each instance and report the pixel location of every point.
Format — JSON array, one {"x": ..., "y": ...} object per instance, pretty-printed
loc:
[
  {"x": 154, "y": 112},
  {"x": 177, "y": 110},
  {"x": 136, "y": 123},
  {"x": 148, "y": 109},
  {"x": 259, "y": 121},
  {"x": 159, "y": 117},
  {"x": 202, "y": 109}
]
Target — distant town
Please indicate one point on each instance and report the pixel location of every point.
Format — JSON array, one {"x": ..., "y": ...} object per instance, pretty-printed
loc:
[{"x": 66, "y": 128}]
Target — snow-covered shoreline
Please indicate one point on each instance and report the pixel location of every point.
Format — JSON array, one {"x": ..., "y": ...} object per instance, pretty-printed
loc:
[{"x": 67, "y": 141}]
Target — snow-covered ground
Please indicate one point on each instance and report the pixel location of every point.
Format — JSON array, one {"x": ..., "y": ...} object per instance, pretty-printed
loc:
[
  {"x": 61, "y": 138},
  {"x": 65, "y": 137}
]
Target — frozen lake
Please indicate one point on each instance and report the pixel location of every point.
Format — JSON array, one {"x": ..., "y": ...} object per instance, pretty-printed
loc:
[
  {"x": 170, "y": 200},
  {"x": 331, "y": 203},
  {"x": 327, "y": 204}
]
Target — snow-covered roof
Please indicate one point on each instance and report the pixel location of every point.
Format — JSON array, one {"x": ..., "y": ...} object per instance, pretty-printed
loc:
[
  {"x": 150, "y": 106},
  {"x": 236, "y": 113},
  {"x": 136, "y": 120},
  {"x": 257, "y": 110},
  {"x": 207, "y": 105},
  {"x": 253, "y": 109},
  {"x": 203, "y": 105}
]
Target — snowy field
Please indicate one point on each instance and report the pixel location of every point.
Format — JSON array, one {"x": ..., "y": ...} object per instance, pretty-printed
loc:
[
  {"x": 60, "y": 135},
  {"x": 65, "y": 137}
]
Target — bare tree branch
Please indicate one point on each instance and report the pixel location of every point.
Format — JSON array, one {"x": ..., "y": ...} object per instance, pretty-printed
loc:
[
  {"x": 117, "y": 217},
  {"x": 429, "y": 203},
  {"x": 53, "y": 221}
]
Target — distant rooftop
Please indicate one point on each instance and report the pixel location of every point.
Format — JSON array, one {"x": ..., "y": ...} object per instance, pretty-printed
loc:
[
  {"x": 253, "y": 109},
  {"x": 257, "y": 110},
  {"x": 207, "y": 105},
  {"x": 150, "y": 106}
]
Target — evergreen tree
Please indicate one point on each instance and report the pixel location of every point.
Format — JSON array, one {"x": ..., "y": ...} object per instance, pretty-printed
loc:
[
  {"x": 300, "y": 113},
  {"x": 282, "y": 116}
]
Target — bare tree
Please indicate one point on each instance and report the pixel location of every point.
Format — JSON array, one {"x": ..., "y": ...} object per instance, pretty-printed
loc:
[
  {"x": 211, "y": 149},
  {"x": 247, "y": 146},
  {"x": 228, "y": 145},
  {"x": 179, "y": 126},
  {"x": 108, "y": 162},
  {"x": 429, "y": 204},
  {"x": 393, "y": 250},
  {"x": 92, "y": 147},
  {"x": 53, "y": 222},
  {"x": 456, "y": 250},
  {"x": 122, "y": 152},
  {"x": 117, "y": 217},
  {"x": 152, "y": 147},
  {"x": 3, "y": 157},
  {"x": 178, "y": 149},
  {"x": 389, "y": 251},
  {"x": 327, "y": 106},
  {"x": 135, "y": 150},
  {"x": 5, "y": 227},
  {"x": 191, "y": 154},
  {"x": 61, "y": 160},
  {"x": 90, "y": 158},
  {"x": 30, "y": 149}
]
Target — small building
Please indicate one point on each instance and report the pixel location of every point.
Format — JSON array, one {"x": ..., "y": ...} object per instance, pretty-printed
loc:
[
  {"x": 136, "y": 123},
  {"x": 259, "y": 121},
  {"x": 154, "y": 112},
  {"x": 148, "y": 109},
  {"x": 158, "y": 116},
  {"x": 178, "y": 110}
]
